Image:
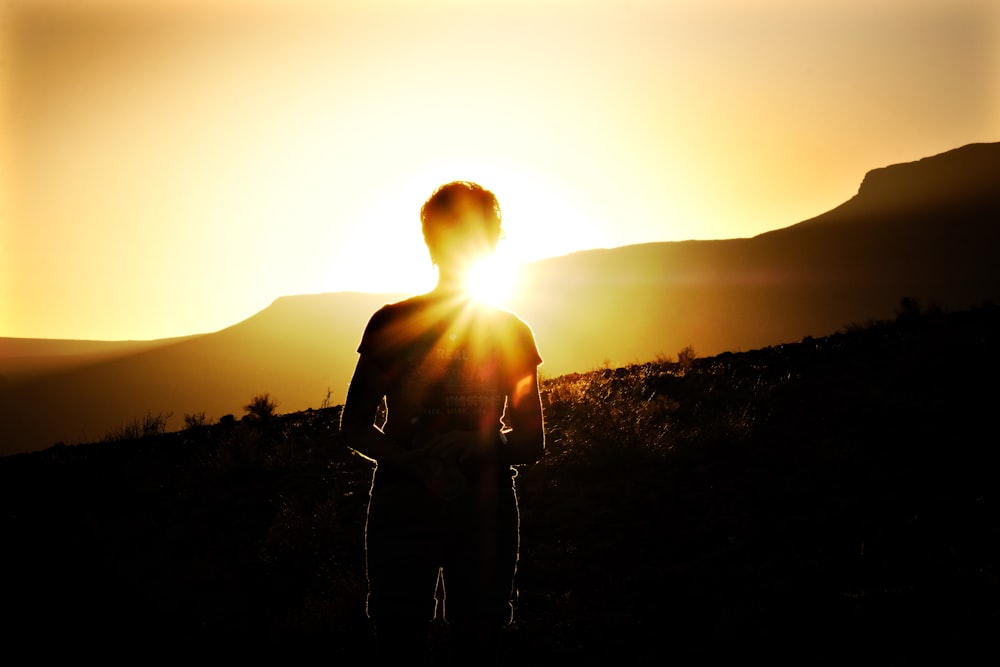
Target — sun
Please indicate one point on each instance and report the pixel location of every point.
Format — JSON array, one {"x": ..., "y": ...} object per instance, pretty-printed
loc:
[{"x": 492, "y": 280}]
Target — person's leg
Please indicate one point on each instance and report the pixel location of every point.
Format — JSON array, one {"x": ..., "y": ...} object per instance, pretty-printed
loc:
[
  {"x": 478, "y": 579},
  {"x": 402, "y": 573},
  {"x": 401, "y": 613}
]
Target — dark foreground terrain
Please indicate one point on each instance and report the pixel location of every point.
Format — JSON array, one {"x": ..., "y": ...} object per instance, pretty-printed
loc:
[{"x": 832, "y": 501}]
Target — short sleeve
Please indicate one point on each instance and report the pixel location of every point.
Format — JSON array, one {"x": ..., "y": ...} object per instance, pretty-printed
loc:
[
  {"x": 373, "y": 343},
  {"x": 523, "y": 349}
]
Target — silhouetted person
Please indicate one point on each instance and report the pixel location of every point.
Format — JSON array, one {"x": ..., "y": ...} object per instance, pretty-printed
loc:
[{"x": 459, "y": 380}]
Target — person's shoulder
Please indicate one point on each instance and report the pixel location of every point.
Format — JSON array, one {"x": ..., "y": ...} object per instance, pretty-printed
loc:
[
  {"x": 510, "y": 316},
  {"x": 505, "y": 320},
  {"x": 515, "y": 336},
  {"x": 391, "y": 322},
  {"x": 397, "y": 308},
  {"x": 407, "y": 303}
]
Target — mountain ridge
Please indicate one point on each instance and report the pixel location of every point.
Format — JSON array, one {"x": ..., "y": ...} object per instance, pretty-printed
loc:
[{"x": 593, "y": 307}]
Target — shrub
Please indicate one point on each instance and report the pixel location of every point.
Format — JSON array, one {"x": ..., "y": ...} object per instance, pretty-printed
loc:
[
  {"x": 327, "y": 400},
  {"x": 140, "y": 427},
  {"x": 261, "y": 407},
  {"x": 196, "y": 420},
  {"x": 685, "y": 358}
]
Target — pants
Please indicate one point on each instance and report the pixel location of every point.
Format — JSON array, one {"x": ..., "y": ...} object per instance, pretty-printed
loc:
[{"x": 470, "y": 542}]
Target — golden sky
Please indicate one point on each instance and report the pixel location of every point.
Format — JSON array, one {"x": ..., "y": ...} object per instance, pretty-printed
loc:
[{"x": 169, "y": 167}]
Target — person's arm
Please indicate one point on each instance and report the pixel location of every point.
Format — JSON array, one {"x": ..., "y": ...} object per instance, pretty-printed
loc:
[
  {"x": 526, "y": 434},
  {"x": 357, "y": 420},
  {"x": 357, "y": 423}
]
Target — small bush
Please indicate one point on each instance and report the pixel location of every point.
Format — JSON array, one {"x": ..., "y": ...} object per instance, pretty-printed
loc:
[
  {"x": 196, "y": 420},
  {"x": 140, "y": 427},
  {"x": 327, "y": 400},
  {"x": 685, "y": 358},
  {"x": 261, "y": 407}
]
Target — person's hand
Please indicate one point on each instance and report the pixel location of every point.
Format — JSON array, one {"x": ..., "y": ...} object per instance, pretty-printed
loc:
[
  {"x": 461, "y": 446},
  {"x": 441, "y": 477}
]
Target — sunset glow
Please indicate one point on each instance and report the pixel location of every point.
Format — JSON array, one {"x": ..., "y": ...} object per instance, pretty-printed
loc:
[
  {"x": 492, "y": 280},
  {"x": 171, "y": 167}
]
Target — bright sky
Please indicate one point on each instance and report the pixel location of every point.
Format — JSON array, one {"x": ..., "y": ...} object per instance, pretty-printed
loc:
[{"x": 170, "y": 167}]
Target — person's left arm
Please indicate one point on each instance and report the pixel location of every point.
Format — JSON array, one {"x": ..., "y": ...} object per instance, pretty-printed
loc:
[{"x": 525, "y": 435}]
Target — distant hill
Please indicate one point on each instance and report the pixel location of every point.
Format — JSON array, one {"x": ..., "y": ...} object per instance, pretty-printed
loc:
[
  {"x": 23, "y": 359},
  {"x": 296, "y": 350},
  {"x": 928, "y": 230}
]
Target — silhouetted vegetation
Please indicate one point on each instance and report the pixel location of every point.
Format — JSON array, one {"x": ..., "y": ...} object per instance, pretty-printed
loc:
[
  {"x": 140, "y": 427},
  {"x": 195, "y": 420},
  {"x": 831, "y": 501},
  {"x": 261, "y": 407}
]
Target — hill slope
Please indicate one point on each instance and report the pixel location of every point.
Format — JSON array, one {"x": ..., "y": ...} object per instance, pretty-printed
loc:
[
  {"x": 826, "y": 502},
  {"x": 928, "y": 230}
]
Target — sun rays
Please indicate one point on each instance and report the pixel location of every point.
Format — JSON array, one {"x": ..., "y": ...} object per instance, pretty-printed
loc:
[{"x": 492, "y": 280}]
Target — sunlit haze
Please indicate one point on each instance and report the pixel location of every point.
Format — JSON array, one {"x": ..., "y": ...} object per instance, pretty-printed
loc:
[{"x": 170, "y": 167}]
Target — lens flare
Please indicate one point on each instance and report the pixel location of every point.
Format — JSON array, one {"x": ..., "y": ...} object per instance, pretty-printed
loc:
[{"x": 492, "y": 280}]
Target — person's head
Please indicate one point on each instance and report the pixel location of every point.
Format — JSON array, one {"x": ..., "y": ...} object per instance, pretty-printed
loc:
[{"x": 461, "y": 224}]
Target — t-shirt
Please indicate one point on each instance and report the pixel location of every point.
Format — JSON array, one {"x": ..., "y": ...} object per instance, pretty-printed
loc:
[{"x": 450, "y": 364}]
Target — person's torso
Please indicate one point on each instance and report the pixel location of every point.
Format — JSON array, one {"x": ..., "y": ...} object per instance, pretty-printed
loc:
[{"x": 450, "y": 369}]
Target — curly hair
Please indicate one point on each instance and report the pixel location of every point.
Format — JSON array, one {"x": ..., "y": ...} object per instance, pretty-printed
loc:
[{"x": 445, "y": 199}]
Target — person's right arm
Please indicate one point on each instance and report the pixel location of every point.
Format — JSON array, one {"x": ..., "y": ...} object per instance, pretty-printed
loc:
[
  {"x": 357, "y": 424},
  {"x": 357, "y": 420}
]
